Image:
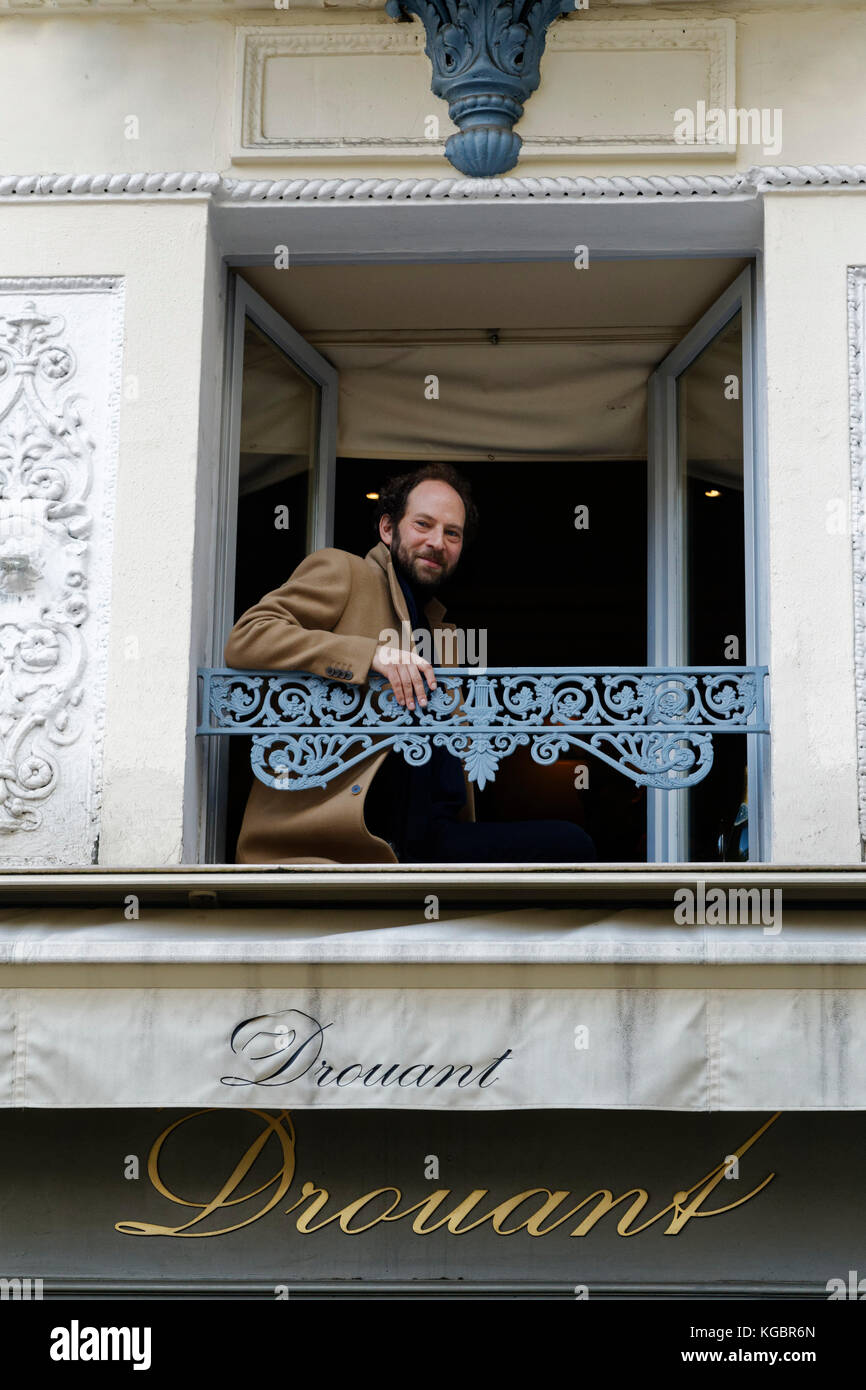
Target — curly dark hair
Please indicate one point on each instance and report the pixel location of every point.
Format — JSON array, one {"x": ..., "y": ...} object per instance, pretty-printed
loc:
[{"x": 394, "y": 496}]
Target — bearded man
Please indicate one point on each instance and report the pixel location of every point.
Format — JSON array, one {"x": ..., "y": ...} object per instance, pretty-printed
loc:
[{"x": 330, "y": 619}]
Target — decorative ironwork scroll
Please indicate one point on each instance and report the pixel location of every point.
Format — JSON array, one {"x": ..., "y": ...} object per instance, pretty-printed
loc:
[{"x": 656, "y": 726}]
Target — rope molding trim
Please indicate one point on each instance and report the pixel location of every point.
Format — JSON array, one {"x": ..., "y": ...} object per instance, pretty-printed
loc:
[{"x": 632, "y": 187}]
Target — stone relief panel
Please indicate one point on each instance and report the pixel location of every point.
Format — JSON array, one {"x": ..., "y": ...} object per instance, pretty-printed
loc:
[
  {"x": 328, "y": 90},
  {"x": 857, "y": 369},
  {"x": 60, "y": 364}
]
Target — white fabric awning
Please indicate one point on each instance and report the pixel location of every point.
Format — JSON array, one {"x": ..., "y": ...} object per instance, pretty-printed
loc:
[
  {"x": 523, "y": 1009},
  {"x": 438, "y": 1049}
]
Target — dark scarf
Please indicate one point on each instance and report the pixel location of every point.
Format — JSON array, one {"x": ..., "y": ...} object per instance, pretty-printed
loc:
[{"x": 403, "y": 801}]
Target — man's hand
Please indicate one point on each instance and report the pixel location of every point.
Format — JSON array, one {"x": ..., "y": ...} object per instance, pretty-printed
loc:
[{"x": 404, "y": 670}]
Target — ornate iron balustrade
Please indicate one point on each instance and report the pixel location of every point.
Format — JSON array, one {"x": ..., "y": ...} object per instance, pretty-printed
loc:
[{"x": 656, "y": 725}]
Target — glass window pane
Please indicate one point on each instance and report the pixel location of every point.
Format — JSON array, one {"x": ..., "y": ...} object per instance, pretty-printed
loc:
[
  {"x": 279, "y": 428},
  {"x": 711, "y": 462},
  {"x": 278, "y": 442}
]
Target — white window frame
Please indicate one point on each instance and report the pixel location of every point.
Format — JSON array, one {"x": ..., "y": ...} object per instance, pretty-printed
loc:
[
  {"x": 667, "y": 824},
  {"x": 245, "y": 303}
]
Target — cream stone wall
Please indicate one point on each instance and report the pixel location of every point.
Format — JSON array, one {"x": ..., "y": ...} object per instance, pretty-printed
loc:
[
  {"x": 810, "y": 240},
  {"x": 120, "y": 91},
  {"x": 76, "y": 84}
]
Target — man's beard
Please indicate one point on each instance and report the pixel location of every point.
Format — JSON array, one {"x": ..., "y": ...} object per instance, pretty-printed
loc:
[{"x": 417, "y": 576}]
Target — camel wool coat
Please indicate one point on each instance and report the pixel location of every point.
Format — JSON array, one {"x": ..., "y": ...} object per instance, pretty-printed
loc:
[{"x": 326, "y": 619}]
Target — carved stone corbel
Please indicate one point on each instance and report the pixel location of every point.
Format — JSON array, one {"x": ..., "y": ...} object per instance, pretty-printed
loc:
[{"x": 486, "y": 56}]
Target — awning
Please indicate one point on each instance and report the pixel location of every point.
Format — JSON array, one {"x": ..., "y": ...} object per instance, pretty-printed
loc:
[{"x": 373, "y": 1008}]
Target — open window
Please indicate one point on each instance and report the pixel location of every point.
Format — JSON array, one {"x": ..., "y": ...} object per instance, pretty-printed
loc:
[{"x": 609, "y": 446}]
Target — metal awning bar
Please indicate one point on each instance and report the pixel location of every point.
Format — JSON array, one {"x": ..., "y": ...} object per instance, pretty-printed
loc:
[{"x": 653, "y": 724}]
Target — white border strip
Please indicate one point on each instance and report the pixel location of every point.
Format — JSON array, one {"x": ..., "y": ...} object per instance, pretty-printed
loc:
[
  {"x": 749, "y": 184},
  {"x": 703, "y": 953},
  {"x": 536, "y": 938}
]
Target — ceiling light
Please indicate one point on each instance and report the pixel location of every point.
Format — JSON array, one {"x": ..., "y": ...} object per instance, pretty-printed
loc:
[{"x": 712, "y": 492}]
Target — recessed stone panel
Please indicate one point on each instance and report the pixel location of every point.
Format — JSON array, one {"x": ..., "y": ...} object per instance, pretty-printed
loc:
[{"x": 363, "y": 89}]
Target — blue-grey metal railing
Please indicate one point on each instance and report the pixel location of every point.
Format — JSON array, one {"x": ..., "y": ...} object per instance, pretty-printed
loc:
[{"x": 654, "y": 724}]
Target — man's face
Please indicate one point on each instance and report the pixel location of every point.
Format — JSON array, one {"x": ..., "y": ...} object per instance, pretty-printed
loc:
[{"x": 426, "y": 544}]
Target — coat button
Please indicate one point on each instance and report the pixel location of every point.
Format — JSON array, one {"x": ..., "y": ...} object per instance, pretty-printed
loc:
[{"x": 355, "y": 789}]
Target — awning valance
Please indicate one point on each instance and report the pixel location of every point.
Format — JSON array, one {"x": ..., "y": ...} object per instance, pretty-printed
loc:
[{"x": 650, "y": 1023}]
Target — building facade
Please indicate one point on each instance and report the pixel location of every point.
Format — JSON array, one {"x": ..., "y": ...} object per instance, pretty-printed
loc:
[{"x": 245, "y": 277}]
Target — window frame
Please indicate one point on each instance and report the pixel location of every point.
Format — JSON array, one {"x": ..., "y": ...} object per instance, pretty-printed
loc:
[
  {"x": 667, "y": 824},
  {"x": 745, "y": 292},
  {"x": 243, "y": 303}
]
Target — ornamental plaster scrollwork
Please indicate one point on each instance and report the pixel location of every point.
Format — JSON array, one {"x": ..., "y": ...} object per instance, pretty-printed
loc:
[
  {"x": 857, "y": 369},
  {"x": 46, "y": 461},
  {"x": 55, "y": 487}
]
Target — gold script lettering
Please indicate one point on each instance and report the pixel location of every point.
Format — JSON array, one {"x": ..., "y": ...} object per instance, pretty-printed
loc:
[
  {"x": 345, "y": 1214},
  {"x": 425, "y": 1208},
  {"x": 320, "y": 1196},
  {"x": 684, "y": 1210},
  {"x": 684, "y": 1213},
  {"x": 684, "y": 1205},
  {"x": 281, "y": 1181}
]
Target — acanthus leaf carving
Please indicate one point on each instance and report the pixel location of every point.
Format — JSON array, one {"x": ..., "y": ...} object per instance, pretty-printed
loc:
[{"x": 46, "y": 462}]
